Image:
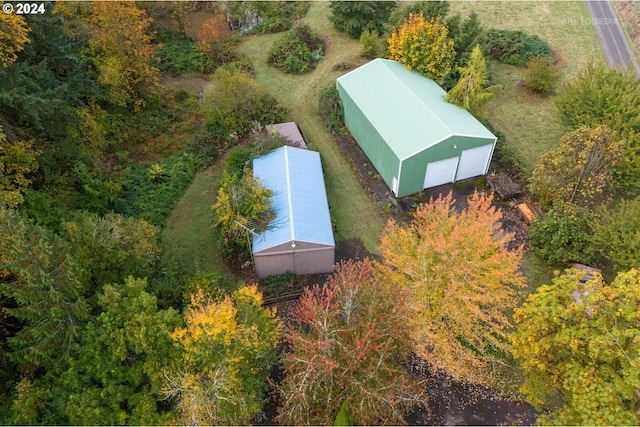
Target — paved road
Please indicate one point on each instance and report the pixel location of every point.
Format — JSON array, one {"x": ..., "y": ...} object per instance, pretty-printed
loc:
[{"x": 616, "y": 48}]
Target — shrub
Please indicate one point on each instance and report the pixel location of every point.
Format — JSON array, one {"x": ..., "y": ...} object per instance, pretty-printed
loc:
[
  {"x": 282, "y": 17},
  {"x": 515, "y": 47},
  {"x": 330, "y": 109},
  {"x": 237, "y": 103},
  {"x": 298, "y": 51},
  {"x": 152, "y": 201},
  {"x": 205, "y": 148},
  {"x": 563, "y": 235},
  {"x": 179, "y": 56},
  {"x": 540, "y": 75},
  {"x": 617, "y": 234},
  {"x": 369, "y": 44},
  {"x": 278, "y": 284}
]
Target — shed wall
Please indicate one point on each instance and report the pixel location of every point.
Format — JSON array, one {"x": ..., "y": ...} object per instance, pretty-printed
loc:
[
  {"x": 414, "y": 167},
  {"x": 299, "y": 261},
  {"x": 374, "y": 146}
]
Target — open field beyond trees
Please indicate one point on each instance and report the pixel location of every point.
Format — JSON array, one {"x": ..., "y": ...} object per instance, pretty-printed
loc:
[{"x": 530, "y": 121}]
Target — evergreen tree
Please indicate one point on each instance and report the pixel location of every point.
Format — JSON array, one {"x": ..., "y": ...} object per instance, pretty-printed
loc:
[
  {"x": 116, "y": 374},
  {"x": 472, "y": 90},
  {"x": 40, "y": 283},
  {"x": 353, "y": 17}
]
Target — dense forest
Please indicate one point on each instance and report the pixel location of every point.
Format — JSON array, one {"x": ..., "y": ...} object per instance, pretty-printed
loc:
[{"x": 100, "y": 325}]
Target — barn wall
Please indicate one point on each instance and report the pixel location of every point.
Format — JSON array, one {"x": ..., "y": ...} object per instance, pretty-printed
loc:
[
  {"x": 368, "y": 138},
  {"x": 414, "y": 167}
]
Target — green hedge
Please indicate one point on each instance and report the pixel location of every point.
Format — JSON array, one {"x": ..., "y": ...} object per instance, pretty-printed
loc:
[{"x": 514, "y": 47}]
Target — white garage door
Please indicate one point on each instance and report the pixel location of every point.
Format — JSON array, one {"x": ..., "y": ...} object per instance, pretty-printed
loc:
[
  {"x": 474, "y": 162},
  {"x": 441, "y": 172}
]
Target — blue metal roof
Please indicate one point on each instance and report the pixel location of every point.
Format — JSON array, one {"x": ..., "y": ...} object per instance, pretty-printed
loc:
[{"x": 299, "y": 198}]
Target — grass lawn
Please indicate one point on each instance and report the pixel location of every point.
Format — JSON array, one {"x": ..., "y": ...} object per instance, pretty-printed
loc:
[
  {"x": 188, "y": 237},
  {"x": 352, "y": 209},
  {"x": 529, "y": 121}
]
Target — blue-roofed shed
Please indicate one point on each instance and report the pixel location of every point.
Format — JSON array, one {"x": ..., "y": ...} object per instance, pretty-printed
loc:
[{"x": 300, "y": 238}]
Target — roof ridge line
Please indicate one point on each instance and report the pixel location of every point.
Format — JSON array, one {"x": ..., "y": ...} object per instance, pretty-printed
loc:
[
  {"x": 414, "y": 95},
  {"x": 289, "y": 194}
]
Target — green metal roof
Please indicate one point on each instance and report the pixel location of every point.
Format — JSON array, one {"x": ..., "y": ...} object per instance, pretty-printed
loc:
[{"x": 407, "y": 109}]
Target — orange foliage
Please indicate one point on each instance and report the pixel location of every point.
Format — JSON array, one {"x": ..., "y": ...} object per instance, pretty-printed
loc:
[
  {"x": 462, "y": 281},
  {"x": 214, "y": 31}
]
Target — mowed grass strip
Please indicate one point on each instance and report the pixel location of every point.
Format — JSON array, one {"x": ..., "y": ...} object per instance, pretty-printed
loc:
[
  {"x": 188, "y": 237},
  {"x": 352, "y": 208},
  {"x": 530, "y": 121}
]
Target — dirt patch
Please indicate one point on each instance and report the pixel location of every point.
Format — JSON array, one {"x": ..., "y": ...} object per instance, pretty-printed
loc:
[
  {"x": 630, "y": 15},
  {"x": 192, "y": 84},
  {"x": 401, "y": 209},
  {"x": 454, "y": 403}
]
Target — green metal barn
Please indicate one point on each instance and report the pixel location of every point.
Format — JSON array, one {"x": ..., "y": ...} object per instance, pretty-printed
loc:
[{"x": 410, "y": 133}]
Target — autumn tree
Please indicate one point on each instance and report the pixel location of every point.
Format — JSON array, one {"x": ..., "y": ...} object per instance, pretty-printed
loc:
[
  {"x": 616, "y": 234},
  {"x": 463, "y": 283},
  {"x": 423, "y": 44},
  {"x": 347, "y": 341},
  {"x": 583, "y": 340},
  {"x": 17, "y": 160},
  {"x": 228, "y": 349},
  {"x": 472, "y": 90},
  {"x": 13, "y": 36},
  {"x": 213, "y": 33},
  {"x": 354, "y": 17},
  {"x": 123, "y": 48},
  {"x": 116, "y": 375},
  {"x": 242, "y": 204},
  {"x": 600, "y": 95},
  {"x": 580, "y": 170},
  {"x": 41, "y": 287}
]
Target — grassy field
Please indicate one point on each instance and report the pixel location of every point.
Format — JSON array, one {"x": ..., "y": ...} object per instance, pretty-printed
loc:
[
  {"x": 188, "y": 237},
  {"x": 352, "y": 209},
  {"x": 529, "y": 121}
]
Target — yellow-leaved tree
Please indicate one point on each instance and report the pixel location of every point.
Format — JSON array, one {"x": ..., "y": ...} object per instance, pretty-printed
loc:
[
  {"x": 228, "y": 349},
  {"x": 13, "y": 35},
  {"x": 463, "y": 283},
  {"x": 17, "y": 161},
  {"x": 423, "y": 44},
  {"x": 123, "y": 48}
]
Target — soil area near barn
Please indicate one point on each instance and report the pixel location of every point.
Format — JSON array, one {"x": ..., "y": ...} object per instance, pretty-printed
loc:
[{"x": 401, "y": 209}]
